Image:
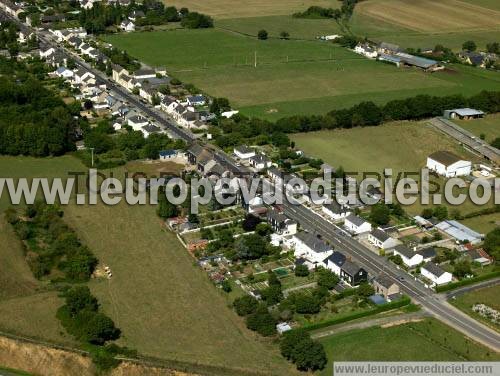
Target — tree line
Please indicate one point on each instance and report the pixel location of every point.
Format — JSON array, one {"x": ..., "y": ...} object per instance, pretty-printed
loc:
[
  {"x": 34, "y": 120},
  {"x": 51, "y": 244},
  {"x": 101, "y": 16},
  {"x": 241, "y": 129}
]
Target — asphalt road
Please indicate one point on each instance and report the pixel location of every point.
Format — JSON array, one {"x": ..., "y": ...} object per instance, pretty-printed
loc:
[{"x": 374, "y": 264}]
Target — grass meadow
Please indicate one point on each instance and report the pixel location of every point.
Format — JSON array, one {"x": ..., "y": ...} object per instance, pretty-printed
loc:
[
  {"x": 165, "y": 305},
  {"x": 489, "y": 296},
  {"x": 427, "y": 340},
  {"x": 291, "y": 77},
  {"x": 483, "y": 223},
  {"x": 489, "y": 126},
  {"x": 402, "y": 146}
]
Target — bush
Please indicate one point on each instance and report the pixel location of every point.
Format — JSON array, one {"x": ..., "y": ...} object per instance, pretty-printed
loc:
[
  {"x": 262, "y": 35},
  {"x": 245, "y": 305},
  {"x": 298, "y": 347},
  {"x": 301, "y": 271},
  {"x": 262, "y": 322}
]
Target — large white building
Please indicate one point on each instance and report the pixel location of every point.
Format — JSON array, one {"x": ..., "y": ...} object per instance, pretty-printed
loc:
[
  {"x": 357, "y": 225},
  {"x": 310, "y": 249},
  {"x": 410, "y": 258},
  {"x": 381, "y": 239},
  {"x": 448, "y": 164},
  {"x": 435, "y": 274}
]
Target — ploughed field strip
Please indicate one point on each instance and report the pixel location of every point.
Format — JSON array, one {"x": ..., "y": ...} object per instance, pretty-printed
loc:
[{"x": 432, "y": 16}]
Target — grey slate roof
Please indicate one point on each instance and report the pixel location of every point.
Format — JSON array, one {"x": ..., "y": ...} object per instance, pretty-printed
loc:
[
  {"x": 358, "y": 221},
  {"x": 350, "y": 268},
  {"x": 426, "y": 253},
  {"x": 434, "y": 269},
  {"x": 380, "y": 235},
  {"x": 313, "y": 242},
  {"x": 384, "y": 280},
  {"x": 337, "y": 258},
  {"x": 404, "y": 250}
]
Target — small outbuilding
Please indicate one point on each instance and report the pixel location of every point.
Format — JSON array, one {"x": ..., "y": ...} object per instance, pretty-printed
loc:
[{"x": 463, "y": 114}]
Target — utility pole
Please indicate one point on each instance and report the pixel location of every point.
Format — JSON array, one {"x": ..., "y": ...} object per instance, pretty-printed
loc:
[
  {"x": 255, "y": 59},
  {"x": 92, "y": 153}
]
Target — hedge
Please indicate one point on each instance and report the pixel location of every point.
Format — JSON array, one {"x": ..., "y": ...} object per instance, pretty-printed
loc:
[
  {"x": 357, "y": 315},
  {"x": 469, "y": 281}
]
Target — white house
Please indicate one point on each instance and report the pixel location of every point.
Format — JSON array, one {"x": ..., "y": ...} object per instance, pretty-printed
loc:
[
  {"x": 80, "y": 76},
  {"x": 280, "y": 223},
  {"x": 410, "y": 258},
  {"x": 137, "y": 122},
  {"x": 64, "y": 72},
  {"x": 435, "y": 274},
  {"x": 310, "y": 248},
  {"x": 260, "y": 162},
  {"x": 381, "y": 239},
  {"x": 44, "y": 53},
  {"x": 365, "y": 50},
  {"x": 335, "y": 211},
  {"x": 448, "y": 164},
  {"x": 357, "y": 225},
  {"x": 334, "y": 262},
  {"x": 244, "y": 152},
  {"x": 348, "y": 271},
  {"x": 127, "y": 26},
  {"x": 275, "y": 175},
  {"x": 149, "y": 129}
]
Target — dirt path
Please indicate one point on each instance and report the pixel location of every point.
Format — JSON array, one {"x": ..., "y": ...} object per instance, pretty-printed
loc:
[{"x": 381, "y": 321}]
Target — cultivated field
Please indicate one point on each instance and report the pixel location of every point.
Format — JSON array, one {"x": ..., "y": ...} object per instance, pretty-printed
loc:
[
  {"x": 425, "y": 23},
  {"x": 164, "y": 304},
  {"x": 430, "y": 16},
  {"x": 489, "y": 126},
  {"x": 428, "y": 340},
  {"x": 291, "y": 77},
  {"x": 489, "y": 296},
  {"x": 250, "y": 8}
]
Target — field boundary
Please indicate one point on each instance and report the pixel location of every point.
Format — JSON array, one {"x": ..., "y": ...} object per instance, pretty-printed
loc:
[{"x": 167, "y": 364}]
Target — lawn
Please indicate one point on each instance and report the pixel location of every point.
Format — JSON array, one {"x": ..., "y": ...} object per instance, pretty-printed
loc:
[
  {"x": 427, "y": 340},
  {"x": 489, "y": 126},
  {"x": 291, "y": 77},
  {"x": 489, "y": 296},
  {"x": 220, "y": 9},
  {"x": 164, "y": 304}
]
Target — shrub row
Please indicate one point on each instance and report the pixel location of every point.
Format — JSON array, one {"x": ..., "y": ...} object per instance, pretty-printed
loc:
[
  {"x": 357, "y": 315},
  {"x": 468, "y": 281}
]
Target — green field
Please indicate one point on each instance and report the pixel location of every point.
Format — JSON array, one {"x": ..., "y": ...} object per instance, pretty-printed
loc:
[
  {"x": 483, "y": 223},
  {"x": 402, "y": 146},
  {"x": 489, "y": 296},
  {"x": 427, "y": 340},
  {"x": 489, "y": 126},
  {"x": 291, "y": 77},
  {"x": 164, "y": 304}
]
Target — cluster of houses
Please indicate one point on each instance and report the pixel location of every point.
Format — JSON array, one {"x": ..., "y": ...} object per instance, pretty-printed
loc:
[
  {"x": 392, "y": 53},
  {"x": 478, "y": 59}
]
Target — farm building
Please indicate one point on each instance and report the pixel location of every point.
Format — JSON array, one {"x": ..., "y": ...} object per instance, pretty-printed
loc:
[
  {"x": 459, "y": 232},
  {"x": 366, "y": 50},
  {"x": 463, "y": 113},
  {"x": 448, "y": 164}
]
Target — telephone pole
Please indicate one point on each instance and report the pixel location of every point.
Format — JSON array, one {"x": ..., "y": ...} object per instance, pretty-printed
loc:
[{"x": 255, "y": 59}]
